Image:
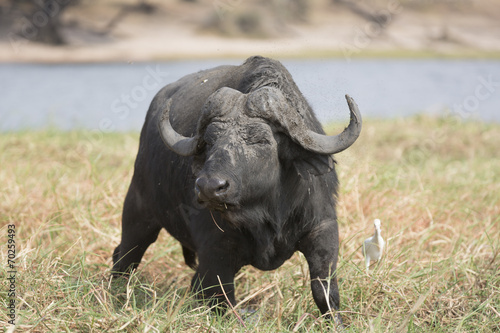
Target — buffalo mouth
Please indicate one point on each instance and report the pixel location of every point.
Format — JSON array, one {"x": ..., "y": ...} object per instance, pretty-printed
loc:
[
  {"x": 218, "y": 206},
  {"x": 215, "y": 201}
]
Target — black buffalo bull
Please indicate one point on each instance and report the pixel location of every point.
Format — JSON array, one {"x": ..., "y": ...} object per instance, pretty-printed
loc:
[{"x": 233, "y": 163}]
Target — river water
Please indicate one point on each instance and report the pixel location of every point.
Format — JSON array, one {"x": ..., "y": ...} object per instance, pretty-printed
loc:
[{"x": 115, "y": 97}]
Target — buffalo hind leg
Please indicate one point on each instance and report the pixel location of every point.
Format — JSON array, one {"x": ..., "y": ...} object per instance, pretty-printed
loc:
[
  {"x": 321, "y": 249},
  {"x": 138, "y": 232}
]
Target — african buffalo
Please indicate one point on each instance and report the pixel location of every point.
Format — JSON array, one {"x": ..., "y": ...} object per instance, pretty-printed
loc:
[{"x": 234, "y": 164}]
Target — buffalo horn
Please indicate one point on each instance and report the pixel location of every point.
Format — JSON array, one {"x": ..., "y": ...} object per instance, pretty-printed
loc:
[
  {"x": 324, "y": 144},
  {"x": 176, "y": 142}
]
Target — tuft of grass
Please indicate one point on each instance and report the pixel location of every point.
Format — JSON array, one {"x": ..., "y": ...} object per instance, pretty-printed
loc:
[{"x": 434, "y": 183}]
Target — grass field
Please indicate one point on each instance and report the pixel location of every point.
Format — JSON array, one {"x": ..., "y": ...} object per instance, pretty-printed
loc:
[{"x": 434, "y": 183}]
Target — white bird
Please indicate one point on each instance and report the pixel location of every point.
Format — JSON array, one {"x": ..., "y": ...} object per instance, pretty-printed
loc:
[{"x": 373, "y": 247}]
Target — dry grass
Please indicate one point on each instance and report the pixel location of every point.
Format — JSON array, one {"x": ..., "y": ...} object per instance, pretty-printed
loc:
[{"x": 434, "y": 183}]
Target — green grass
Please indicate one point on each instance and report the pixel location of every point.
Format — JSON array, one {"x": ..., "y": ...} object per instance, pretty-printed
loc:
[{"x": 434, "y": 183}]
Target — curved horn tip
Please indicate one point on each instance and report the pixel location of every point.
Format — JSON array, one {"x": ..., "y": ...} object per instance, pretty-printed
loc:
[
  {"x": 349, "y": 98},
  {"x": 323, "y": 144},
  {"x": 353, "y": 107}
]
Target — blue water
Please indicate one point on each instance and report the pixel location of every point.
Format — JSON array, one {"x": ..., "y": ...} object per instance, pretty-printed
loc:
[{"x": 115, "y": 97}]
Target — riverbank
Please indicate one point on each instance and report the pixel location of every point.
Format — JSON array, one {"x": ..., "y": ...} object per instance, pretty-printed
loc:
[{"x": 194, "y": 30}]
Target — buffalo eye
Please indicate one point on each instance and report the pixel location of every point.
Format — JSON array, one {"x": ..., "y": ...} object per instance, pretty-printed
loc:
[
  {"x": 211, "y": 134},
  {"x": 258, "y": 141},
  {"x": 256, "y": 136}
]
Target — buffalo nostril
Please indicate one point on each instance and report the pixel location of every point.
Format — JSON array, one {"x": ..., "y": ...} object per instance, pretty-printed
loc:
[
  {"x": 221, "y": 186},
  {"x": 199, "y": 183},
  {"x": 211, "y": 187},
  {"x": 198, "y": 186}
]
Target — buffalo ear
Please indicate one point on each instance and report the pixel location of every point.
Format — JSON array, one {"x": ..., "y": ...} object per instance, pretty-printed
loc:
[{"x": 314, "y": 165}]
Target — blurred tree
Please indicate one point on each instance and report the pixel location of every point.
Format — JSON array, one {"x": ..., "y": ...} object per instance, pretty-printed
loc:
[
  {"x": 145, "y": 7},
  {"x": 39, "y": 20},
  {"x": 142, "y": 7},
  {"x": 256, "y": 19},
  {"x": 367, "y": 14}
]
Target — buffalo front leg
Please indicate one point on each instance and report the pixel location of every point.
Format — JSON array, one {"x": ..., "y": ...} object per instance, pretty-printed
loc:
[
  {"x": 321, "y": 248},
  {"x": 189, "y": 257},
  {"x": 138, "y": 232},
  {"x": 213, "y": 281}
]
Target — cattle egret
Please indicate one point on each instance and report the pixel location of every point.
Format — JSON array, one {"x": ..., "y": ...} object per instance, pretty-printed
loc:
[{"x": 373, "y": 247}]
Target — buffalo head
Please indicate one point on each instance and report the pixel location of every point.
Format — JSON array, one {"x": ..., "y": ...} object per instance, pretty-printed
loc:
[{"x": 240, "y": 141}]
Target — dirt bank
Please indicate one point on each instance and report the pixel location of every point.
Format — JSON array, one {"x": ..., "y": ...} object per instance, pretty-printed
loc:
[{"x": 233, "y": 28}]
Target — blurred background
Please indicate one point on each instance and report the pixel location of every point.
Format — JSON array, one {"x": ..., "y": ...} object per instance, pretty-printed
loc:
[
  {"x": 97, "y": 64},
  {"x": 76, "y": 80}
]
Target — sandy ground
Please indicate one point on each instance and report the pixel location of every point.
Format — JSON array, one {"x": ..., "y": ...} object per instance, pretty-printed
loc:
[{"x": 176, "y": 31}]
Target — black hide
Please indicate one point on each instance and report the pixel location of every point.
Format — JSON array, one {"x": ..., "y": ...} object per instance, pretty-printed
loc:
[{"x": 249, "y": 196}]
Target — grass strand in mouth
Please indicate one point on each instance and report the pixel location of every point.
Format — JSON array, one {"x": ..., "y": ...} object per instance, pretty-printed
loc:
[{"x": 213, "y": 219}]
